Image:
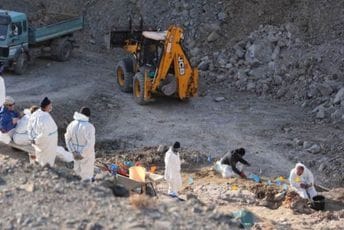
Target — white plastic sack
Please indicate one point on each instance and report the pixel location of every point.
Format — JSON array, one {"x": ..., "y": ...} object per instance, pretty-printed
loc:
[
  {"x": 226, "y": 170},
  {"x": 64, "y": 155},
  {"x": 218, "y": 167},
  {"x": 5, "y": 138}
]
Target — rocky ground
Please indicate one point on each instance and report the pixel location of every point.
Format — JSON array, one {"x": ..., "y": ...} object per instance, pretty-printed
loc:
[
  {"x": 54, "y": 198},
  {"x": 271, "y": 80}
]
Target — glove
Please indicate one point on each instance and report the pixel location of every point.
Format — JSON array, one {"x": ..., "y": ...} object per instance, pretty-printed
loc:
[
  {"x": 242, "y": 175},
  {"x": 77, "y": 156},
  {"x": 304, "y": 186}
]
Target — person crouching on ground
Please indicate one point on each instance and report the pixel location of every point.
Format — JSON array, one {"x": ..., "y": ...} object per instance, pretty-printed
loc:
[
  {"x": 8, "y": 120},
  {"x": 302, "y": 181},
  {"x": 172, "y": 170},
  {"x": 229, "y": 163},
  {"x": 42, "y": 131},
  {"x": 80, "y": 140}
]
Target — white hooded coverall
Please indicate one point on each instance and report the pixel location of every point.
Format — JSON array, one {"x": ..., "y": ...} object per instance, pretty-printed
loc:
[
  {"x": 80, "y": 137},
  {"x": 21, "y": 136},
  {"x": 172, "y": 171},
  {"x": 2, "y": 91},
  {"x": 305, "y": 178},
  {"x": 43, "y": 130}
]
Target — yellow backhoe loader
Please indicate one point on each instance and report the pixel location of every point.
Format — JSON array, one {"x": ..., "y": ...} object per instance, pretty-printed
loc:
[{"x": 157, "y": 64}]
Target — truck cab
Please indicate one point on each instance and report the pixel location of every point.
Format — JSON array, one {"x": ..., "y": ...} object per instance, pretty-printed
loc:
[{"x": 13, "y": 37}]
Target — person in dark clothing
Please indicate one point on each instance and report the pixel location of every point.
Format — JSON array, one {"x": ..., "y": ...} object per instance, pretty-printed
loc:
[
  {"x": 8, "y": 117},
  {"x": 233, "y": 158}
]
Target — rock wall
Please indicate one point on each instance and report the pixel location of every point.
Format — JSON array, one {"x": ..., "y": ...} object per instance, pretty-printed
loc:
[{"x": 289, "y": 49}]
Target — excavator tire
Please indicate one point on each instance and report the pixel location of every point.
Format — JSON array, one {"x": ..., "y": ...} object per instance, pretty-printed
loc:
[
  {"x": 138, "y": 88},
  {"x": 124, "y": 75}
]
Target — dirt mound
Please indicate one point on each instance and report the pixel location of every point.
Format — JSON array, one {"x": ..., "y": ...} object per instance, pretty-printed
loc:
[
  {"x": 149, "y": 156},
  {"x": 296, "y": 203}
]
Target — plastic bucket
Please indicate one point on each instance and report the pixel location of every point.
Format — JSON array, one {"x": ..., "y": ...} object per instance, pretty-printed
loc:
[
  {"x": 318, "y": 202},
  {"x": 137, "y": 173}
]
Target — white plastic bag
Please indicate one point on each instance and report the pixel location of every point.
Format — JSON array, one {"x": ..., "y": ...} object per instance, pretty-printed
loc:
[
  {"x": 5, "y": 138},
  {"x": 64, "y": 155}
]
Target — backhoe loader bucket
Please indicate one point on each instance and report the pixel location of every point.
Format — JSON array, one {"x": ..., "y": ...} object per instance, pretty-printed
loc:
[{"x": 119, "y": 36}]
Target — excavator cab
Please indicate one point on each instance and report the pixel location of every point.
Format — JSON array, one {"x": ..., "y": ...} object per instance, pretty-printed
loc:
[{"x": 157, "y": 65}]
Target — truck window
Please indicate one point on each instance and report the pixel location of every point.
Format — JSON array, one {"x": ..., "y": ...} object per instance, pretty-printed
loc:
[
  {"x": 3, "y": 32},
  {"x": 16, "y": 28},
  {"x": 24, "y": 26}
]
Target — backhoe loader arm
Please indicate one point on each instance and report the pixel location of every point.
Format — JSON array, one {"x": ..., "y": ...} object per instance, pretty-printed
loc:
[{"x": 186, "y": 76}]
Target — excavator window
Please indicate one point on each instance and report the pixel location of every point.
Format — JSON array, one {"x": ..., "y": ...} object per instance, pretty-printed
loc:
[{"x": 150, "y": 51}]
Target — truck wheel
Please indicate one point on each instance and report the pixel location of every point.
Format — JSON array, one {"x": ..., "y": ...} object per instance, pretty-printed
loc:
[
  {"x": 64, "y": 50},
  {"x": 20, "y": 65},
  {"x": 124, "y": 76},
  {"x": 138, "y": 89}
]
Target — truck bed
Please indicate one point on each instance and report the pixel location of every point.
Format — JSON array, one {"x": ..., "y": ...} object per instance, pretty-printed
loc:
[{"x": 51, "y": 26}]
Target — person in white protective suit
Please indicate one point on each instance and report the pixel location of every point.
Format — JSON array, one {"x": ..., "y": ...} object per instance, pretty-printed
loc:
[
  {"x": 2, "y": 90},
  {"x": 80, "y": 140},
  {"x": 302, "y": 181},
  {"x": 21, "y": 136},
  {"x": 42, "y": 131},
  {"x": 172, "y": 170}
]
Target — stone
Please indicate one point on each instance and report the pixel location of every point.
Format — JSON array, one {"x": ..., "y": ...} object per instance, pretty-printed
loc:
[
  {"x": 321, "y": 113},
  {"x": 325, "y": 89},
  {"x": 221, "y": 16},
  {"x": 281, "y": 92},
  {"x": 213, "y": 36},
  {"x": 322, "y": 167},
  {"x": 229, "y": 66},
  {"x": 239, "y": 52},
  {"x": 277, "y": 79},
  {"x": 162, "y": 225},
  {"x": 29, "y": 187},
  {"x": 204, "y": 65},
  {"x": 220, "y": 78},
  {"x": 306, "y": 144},
  {"x": 222, "y": 60},
  {"x": 297, "y": 142},
  {"x": 314, "y": 149},
  {"x": 94, "y": 226},
  {"x": 339, "y": 96},
  {"x": 155, "y": 215},
  {"x": 275, "y": 53},
  {"x": 219, "y": 99},
  {"x": 242, "y": 75},
  {"x": 195, "y": 51},
  {"x": 251, "y": 86},
  {"x": 196, "y": 210},
  {"x": 336, "y": 115}
]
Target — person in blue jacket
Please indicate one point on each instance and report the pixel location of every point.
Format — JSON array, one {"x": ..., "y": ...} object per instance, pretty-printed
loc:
[{"x": 8, "y": 117}]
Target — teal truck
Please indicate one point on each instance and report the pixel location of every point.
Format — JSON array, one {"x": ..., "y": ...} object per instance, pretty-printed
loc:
[{"x": 21, "y": 41}]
